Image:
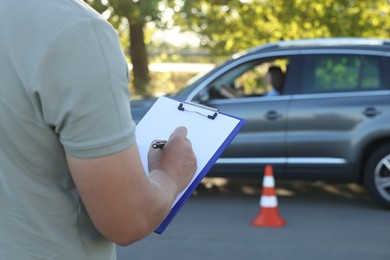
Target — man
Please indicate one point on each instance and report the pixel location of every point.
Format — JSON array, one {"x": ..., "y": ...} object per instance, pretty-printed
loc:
[{"x": 71, "y": 180}]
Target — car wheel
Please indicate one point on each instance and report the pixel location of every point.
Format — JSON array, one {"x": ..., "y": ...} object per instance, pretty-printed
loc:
[{"x": 377, "y": 175}]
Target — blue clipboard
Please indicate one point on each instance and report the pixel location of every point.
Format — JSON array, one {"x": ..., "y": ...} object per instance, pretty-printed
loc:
[{"x": 209, "y": 130}]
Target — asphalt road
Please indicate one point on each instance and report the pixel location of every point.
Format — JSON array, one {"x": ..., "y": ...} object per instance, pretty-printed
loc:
[{"x": 323, "y": 221}]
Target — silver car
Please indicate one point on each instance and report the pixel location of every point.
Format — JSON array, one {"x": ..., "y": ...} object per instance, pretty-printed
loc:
[{"x": 329, "y": 121}]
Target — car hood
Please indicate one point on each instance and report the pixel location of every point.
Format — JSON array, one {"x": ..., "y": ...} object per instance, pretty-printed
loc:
[{"x": 139, "y": 108}]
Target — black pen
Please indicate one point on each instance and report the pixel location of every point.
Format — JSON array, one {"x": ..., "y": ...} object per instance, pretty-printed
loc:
[{"x": 158, "y": 144}]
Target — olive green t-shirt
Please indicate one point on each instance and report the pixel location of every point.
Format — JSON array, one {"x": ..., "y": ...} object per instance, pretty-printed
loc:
[{"x": 63, "y": 90}]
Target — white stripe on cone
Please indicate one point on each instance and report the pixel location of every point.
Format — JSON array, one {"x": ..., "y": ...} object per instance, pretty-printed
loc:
[
  {"x": 268, "y": 201},
  {"x": 268, "y": 182}
]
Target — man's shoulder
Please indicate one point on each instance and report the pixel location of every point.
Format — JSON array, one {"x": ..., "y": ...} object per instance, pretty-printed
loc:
[
  {"x": 28, "y": 27},
  {"x": 64, "y": 12},
  {"x": 48, "y": 13}
]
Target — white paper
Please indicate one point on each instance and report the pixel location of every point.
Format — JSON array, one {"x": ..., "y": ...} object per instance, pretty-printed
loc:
[{"x": 206, "y": 135}]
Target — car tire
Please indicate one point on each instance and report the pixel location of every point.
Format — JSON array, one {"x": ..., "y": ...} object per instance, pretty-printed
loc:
[{"x": 377, "y": 175}]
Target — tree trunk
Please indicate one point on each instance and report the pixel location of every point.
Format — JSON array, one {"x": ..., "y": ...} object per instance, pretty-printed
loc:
[{"x": 139, "y": 58}]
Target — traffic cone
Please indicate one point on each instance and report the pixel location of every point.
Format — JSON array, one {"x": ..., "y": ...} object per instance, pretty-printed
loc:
[{"x": 268, "y": 215}]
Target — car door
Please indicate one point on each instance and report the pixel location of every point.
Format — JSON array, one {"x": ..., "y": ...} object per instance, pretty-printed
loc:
[
  {"x": 262, "y": 140},
  {"x": 336, "y": 96}
]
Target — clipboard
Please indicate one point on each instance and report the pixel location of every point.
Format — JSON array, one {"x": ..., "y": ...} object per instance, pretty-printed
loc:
[{"x": 209, "y": 130}]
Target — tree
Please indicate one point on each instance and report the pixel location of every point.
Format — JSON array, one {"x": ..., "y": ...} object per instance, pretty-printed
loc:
[
  {"x": 133, "y": 14},
  {"x": 231, "y": 26}
]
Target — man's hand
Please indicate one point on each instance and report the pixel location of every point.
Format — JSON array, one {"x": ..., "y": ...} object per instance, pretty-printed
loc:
[{"x": 176, "y": 159}]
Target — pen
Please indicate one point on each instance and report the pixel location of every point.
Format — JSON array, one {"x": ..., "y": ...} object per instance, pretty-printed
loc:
[{"x": 158, "y": 144}]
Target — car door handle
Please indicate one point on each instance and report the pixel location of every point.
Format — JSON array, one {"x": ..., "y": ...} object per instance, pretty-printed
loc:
[
  {"x": 371, "y": 112},
  {"x": 272, "y": 115}
]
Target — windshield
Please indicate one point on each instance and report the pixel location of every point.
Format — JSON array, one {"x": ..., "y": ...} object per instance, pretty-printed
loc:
[{"x": 183, "y": 92}]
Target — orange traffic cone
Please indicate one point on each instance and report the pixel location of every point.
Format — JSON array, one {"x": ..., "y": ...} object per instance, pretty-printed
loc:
[{"x": 268, "y": 215}]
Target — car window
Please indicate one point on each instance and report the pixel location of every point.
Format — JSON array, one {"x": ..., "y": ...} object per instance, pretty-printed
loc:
[
  {"x": 341, "y": 73},
  {"x": 246, "y": 79},
  {"x": 370, "y": 75}
]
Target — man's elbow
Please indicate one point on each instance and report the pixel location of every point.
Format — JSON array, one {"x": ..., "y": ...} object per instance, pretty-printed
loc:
[
  {"x": 133, "y": 236},
  {"x": 125, "y": 235}
]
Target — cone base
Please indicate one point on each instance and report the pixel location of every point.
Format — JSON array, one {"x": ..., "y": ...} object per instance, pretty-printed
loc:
[{"x": 268, "y": 217}]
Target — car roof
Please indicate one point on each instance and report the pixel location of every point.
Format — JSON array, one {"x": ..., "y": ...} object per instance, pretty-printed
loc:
[{"x": 322, "y": 43}]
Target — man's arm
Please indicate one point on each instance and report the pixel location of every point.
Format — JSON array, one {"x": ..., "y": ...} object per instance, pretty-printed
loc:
[{"x": 122, "y": 201}]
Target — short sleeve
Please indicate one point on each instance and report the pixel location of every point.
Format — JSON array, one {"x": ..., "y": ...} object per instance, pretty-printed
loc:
[{"x": 81, "y": 85}]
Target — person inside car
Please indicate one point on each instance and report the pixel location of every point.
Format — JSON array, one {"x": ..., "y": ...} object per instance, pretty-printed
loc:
[{"x": 275, "y": 78}]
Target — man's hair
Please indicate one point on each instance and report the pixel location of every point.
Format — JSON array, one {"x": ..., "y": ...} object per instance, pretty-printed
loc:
[{"x": 277, "y": 77}]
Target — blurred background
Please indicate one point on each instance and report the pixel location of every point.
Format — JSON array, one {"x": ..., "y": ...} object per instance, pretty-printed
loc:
[{"x": 167, "y": 42}]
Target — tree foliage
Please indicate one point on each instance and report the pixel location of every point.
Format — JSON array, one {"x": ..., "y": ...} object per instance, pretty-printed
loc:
[
  {"x": 235, "y": 25},
  {"x": 132, "y": 15},
  {"x": 226, "y": 27}
]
